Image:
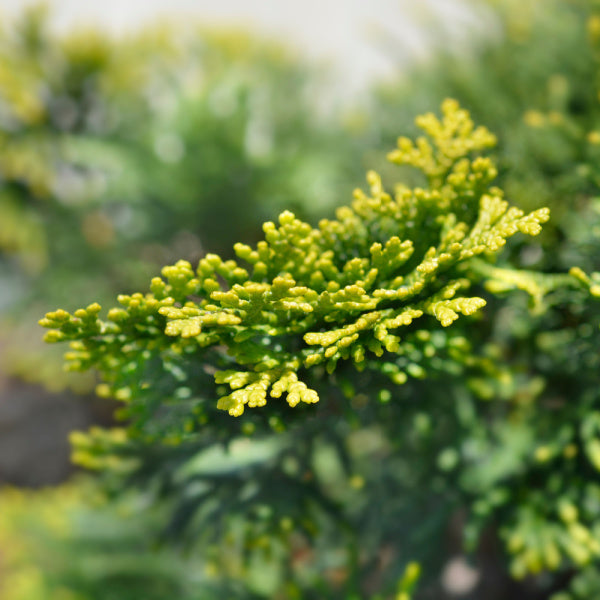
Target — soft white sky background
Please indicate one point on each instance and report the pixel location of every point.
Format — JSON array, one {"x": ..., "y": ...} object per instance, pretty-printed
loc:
[{"x": 345, "y": 33}]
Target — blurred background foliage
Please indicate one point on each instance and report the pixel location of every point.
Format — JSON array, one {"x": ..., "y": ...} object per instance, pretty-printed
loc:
[
  {"x": 67, "y": 543},
  {"x": 118, "y": 156},
  {"x": 122, "y": 154}
]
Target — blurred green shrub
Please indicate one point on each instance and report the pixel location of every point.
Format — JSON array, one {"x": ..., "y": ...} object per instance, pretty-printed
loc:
[
  {"x": 72, "y": 543},
  {"x": 118, "y": 155},
  {"x": 500, "y": 433}
]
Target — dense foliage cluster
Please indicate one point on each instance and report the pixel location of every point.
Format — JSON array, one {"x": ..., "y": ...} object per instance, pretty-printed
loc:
[
  {"x": 547, "y": 120},
  {"x": 308, "y": 415},
  {"x": 317, "y": 296},
  {"x": 373, "y": 289}
]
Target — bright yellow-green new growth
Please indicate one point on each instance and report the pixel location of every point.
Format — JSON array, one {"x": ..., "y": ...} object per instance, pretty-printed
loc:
[{"x": 376, "y": 280}]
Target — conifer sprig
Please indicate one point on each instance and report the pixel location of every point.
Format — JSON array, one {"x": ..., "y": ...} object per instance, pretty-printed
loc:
[{"x": 388, "y": 268}]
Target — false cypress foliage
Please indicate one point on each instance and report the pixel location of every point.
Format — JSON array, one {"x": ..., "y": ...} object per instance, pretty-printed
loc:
[
  {"x": 544, "y": 459},
  {"x": 351, "y": 334},
  {"x": 545, "y": 117},
  {"x": 313, "y": 297}
]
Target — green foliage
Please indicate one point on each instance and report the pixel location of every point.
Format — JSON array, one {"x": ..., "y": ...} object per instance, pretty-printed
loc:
[
  {"x": 431, "y": 407},
  {"x": 70, "y": 543},
  {"x": 532, "y": 78},
  {"x": 536, "y": 85},
  {"x": 376, "y": 290},
  {"x": 119, "y": 155},
  {"x": 317, "y": 296}
]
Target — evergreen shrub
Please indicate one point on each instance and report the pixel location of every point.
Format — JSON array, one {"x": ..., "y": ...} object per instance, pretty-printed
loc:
[{"x": 313, "y": 413}]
